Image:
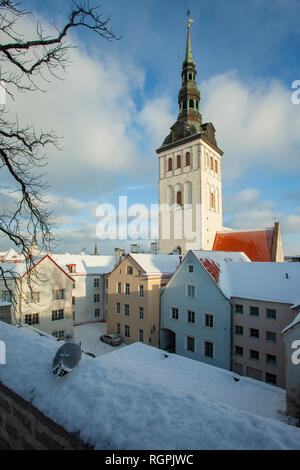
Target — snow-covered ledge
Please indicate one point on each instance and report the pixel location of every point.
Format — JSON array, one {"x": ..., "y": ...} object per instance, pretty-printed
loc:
[{"x": 138, "y": 397}]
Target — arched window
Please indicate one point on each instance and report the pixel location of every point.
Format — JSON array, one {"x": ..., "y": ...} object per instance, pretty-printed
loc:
[
  {"x": 212, "y": 201},
  {"x": 188, "y": 193},
  {"x": 179, "y": 198},
  {"x": 187, "y": 159},
  {"x": 178, "y": 161},
  {"x": 211, "y": 163},
  {"x": 170, "y": 164},
  {"x": 170, "y": 196},
  {"x": 191, "y": 104}
]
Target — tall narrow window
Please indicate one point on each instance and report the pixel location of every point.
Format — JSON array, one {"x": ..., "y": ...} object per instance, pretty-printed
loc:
[
  {"x": 170, "y": 164},
  {"x": 178, "y": 161},
  {"x": 187, "y": 159},
  {"x": 179, "y": 198},
  {"x": 191, "y": 104}
]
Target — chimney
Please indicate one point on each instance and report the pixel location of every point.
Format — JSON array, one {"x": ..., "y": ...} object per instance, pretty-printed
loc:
[{"x": 118, "y": 255}]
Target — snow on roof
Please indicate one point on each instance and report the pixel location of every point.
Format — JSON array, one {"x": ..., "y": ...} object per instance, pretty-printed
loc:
[
  {"x": 157, "y": 264},
  {"x": 136, "y": 398},
  {"x": 295, "y": 322},
  {"x": 13, "y": 269},
  {"x": 220, "y": 256},
  {"x": 276, "y": 282},
  {"x": 4, "y": 304},
  {"x": 257, "y": 244},
  {"x": 86, "y": 264},
  {"x": 13, "y": 255}
]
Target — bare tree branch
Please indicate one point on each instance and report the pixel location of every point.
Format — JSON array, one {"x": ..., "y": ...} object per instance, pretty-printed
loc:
[{"x": 24, "y": 64}]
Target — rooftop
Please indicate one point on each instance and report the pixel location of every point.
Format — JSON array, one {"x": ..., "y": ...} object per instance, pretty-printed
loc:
[
  {"x": 86, "y": 264},
  {"x": 157, "y": 264},
  {"x": 273, "y": 282},
  {"x": 256, "y": 244}
]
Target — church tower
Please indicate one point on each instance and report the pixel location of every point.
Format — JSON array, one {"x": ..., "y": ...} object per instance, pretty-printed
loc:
[{"x": 189, "y": 173}]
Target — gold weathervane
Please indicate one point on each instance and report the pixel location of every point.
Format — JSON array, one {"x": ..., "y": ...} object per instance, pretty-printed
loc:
[{"x": 189, "y": 19}]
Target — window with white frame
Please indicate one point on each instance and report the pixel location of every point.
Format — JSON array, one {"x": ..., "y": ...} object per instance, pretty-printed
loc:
[
  {"x": 141, "y": 335},
  {"x": 126, "y": 310},
  {"x": 118, "y": 307},
  {"x": 190, "y": 343},
  {"x": 32, "y": 319},
  {"x": 190, "y": 291},
  {"x": 96, "y": 298},
  {"x": 5, "y": 296},
  {"x": 97, "y": 312},
  {"x": 191, "y": 316},
  {"x": 119, "y": 288},
  {"x": 127, "y": 289},
  {"x": 58, "y": 294},
  {"x": 208, "y": 349},
  {"x": 58, "y": 314},
  {"x": 97, "y": 282},
  {"x": 141, "y": 313},
  {"x": 208, "y": 320},
  {"x": 174, "y": 313},
  {"x": 32, "y": 297},
  {"x": 118, "y": 330},
  {"x": 141, "y": 290},
  {"x": 60, "y": 335}
]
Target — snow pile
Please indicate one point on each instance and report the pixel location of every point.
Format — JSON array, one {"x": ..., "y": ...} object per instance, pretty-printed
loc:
[{"x": 136, "y": 398}]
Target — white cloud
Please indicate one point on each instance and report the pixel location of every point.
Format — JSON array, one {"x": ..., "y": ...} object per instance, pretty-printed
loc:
[
  {"x": 248, "y": 210},
  {"x": 256, "y": 123}
]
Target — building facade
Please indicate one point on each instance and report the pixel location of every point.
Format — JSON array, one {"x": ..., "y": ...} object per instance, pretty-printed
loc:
[
  {"x": 89, "y": 289},
  {"x": 190, "y": 179},
  {"x": 195, "y": 313},
  {"x": 258, "y": 347},
  {"x": 42, "y": 296},
  {"x": 134, "y": 288}
]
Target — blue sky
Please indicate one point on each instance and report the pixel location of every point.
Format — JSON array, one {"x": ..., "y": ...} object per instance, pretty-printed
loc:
[{"x": 119, "y": 99}]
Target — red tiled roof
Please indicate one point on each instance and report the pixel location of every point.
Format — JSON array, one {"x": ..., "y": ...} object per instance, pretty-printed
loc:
[
  {"x": 212, "y": 267},
  {"x": 256, "y": 244}
]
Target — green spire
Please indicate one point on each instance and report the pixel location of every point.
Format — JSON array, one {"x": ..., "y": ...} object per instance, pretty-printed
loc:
[{"x": 188, "y": 52}]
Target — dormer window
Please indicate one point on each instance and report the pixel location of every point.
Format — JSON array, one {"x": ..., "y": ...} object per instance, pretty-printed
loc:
[{"x": 71, "y": 268}]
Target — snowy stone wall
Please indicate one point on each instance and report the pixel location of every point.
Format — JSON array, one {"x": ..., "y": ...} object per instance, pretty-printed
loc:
[{"x": 24, "y": 427}]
